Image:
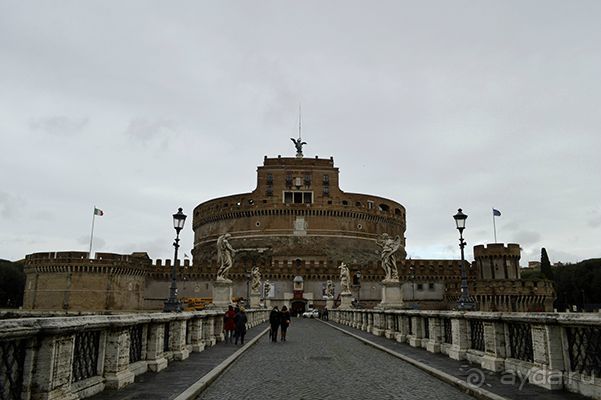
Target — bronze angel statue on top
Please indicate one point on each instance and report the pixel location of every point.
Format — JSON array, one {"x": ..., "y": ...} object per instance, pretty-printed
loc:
[{"x": 298, "y": 143}]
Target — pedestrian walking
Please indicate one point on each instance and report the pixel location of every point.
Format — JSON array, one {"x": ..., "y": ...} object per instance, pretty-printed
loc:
[
  {"x": 240, "y": 319},
  {"x": 324, "y": 314},
  {"x": 229, "y": 325},
  {"x": 284, "y": 322},
  {"x": 274, "y": 322}
]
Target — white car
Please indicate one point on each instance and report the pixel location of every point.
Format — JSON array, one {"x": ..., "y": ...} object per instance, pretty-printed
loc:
[{"x": 311, "y": 314}]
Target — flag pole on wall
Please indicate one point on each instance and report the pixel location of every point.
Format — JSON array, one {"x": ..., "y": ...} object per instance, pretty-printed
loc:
[
  {"x": 495, "y": 213},
  {"x": 96, "y": 212}
]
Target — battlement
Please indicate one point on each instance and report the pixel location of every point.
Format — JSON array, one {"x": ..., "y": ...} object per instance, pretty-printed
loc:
[
  {"x": 159, "y": 263},
  {"x": 301, "y": 162},
  {"x": 497, "y": 250}
]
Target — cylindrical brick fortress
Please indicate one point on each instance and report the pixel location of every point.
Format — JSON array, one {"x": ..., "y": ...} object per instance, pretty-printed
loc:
[{"x": 299, "y": 215}]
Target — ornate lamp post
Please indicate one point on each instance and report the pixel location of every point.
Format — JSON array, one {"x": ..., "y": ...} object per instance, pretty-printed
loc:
[
  {"x": 464, "y": 302},
  {"x": 247, "y": 275},
  {"x": 172, "y": 304},
  {"x": 358, "y": 274}
]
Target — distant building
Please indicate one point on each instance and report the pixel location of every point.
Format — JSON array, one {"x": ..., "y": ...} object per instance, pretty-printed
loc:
[{"x": 298, "y": 226}]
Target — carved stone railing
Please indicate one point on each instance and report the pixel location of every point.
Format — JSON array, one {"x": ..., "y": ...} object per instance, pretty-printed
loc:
[
  {"x": 552, "y": 350},
  {"x": 76, "y": 357}
]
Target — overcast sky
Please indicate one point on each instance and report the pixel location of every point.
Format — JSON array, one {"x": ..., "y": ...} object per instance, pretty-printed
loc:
[{"x": 141, "y": 107}]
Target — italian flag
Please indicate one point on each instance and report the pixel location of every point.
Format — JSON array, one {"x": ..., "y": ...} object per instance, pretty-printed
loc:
[{"x": 98, "y": 211}]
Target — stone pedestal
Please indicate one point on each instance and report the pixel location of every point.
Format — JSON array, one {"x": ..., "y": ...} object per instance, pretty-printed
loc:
[
  {"x": 346, "y": 300},
  {"x": 392, "y": 296},
  {"x": 255, "y": 300},
  {"x": 330, "y": 303},
  {"x": 222, "y": 294}
]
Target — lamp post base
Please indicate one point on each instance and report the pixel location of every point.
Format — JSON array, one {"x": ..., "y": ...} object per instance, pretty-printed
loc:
[
  {"x": 466, "y": 305},
  {"x": 172, "y": 306}
]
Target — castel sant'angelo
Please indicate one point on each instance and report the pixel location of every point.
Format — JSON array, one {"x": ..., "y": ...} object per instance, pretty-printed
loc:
[{"x": 298, "y": 226}]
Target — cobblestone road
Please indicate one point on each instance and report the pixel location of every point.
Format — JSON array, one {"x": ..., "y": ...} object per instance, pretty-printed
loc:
[{"x": 318, "y": 362}]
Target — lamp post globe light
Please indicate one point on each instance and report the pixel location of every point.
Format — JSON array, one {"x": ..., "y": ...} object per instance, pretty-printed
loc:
[
  {"x": 465, "y": 302},
  {"x": 172, "y": 304}
]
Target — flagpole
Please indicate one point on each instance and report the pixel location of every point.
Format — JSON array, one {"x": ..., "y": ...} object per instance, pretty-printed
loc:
[
  {"x": 494, "y": 225},
  {"x": 92, "y": 234}
]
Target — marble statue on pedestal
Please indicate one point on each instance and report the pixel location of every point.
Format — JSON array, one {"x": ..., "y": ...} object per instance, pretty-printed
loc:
[
  {"x": 225, "y": 256},
  {"x": 255, "y": 285},
  {"x": 266, "y": 288},
  {"x": 329, "y": 289},
  {"x": 389, "y": 247},
  {"x": 345, "y": 279}
]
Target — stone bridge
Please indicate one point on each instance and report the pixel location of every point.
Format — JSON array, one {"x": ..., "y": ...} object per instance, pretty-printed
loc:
[{"x": 401, "y": 354}]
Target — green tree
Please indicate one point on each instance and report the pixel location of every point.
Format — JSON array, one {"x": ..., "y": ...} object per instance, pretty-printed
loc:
[
  {"x": 545, "y": 265},
  {"x": 12, "y": 284}
]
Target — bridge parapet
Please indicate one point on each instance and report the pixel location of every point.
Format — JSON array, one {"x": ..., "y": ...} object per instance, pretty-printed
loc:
[
  {"x": 551, "y": 350},
  {"x": 77, "y": 357}
]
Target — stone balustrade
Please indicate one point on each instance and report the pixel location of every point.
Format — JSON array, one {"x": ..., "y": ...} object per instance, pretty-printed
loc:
[
  {"x": 76, "y": 357},
  {"x": 552, "y": 350}
]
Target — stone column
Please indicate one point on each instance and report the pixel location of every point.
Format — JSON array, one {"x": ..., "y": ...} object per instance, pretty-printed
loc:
[
  {"x": 196, "y": 338},
  {"x": 52, "y": 373},
  {"x": 415, "y": 339},
  {"x": 391, "y": 294},
  {"x": 218, "y": 327},
  {"x": 548, "y": 357},
  {"x": 494, "y": 345},
  {"x": 155, "y": 355},
  {"x": 116, "y": 359},
  {"x": 379, "y": 323},
  {"x": 177, "y": 339},
  {"x": 370, "y": 320},
  {"x": 403, "y": 324},
  {"x": 222, "y": 294},
  {"x": 460, "y": 344},
  {"x": 435, "y": 333},
  {"x": 390, "y": 328},
  {"x": 208, "y": 336},
  {"x": 255, "y": 300}
]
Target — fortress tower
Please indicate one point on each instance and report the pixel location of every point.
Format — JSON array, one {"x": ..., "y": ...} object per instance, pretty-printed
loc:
[{"x": 497, "y": 261}]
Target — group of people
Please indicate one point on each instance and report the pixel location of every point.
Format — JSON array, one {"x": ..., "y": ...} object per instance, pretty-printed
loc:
[
  {"x": 279, "y": 320},
  {"x": 234, "y": 324}
]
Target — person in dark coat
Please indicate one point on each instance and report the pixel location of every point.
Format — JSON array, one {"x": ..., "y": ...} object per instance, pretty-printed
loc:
[
  {"x": 274, "y": 321},
  {"x": 229, "y": 325},
  {"x": 241, "y": 321},
  {"x": 284, "y": 321}
]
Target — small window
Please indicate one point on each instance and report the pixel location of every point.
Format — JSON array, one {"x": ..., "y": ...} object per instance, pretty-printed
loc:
[
  {"x": 269, "y": 192},
  {"x": 287, "y": 197},
  {"x": 307, "y": 197},
  {"x": 326, "y": 191},
  {"x": 329, "y": 202},
  {"x": 384, "y": 207},
  {"x": 298, "y": 182},
  {"x": 344, "y": 203},
  {"x": 370, "y": 204},
  {"x": 397, "y": 211},
  {"x": 358, "y": 204},
  {"x": 298, "y": 197},
  {"x": 269, "y": 179},
  {"x": 288, "y": 180},
  {"x": 420, "y": 286},
  {"x": 307, "y": 180},
  {"x": 251, "y": 202},
  {"x": 326, "y": 180},
  {"x": 431, "y": 286}
]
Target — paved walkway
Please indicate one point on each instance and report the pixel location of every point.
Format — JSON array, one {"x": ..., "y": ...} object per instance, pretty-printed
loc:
[
  {"x": 505, "y": 385},
  {"x": 319, "y": 362},
  {"x": 179, "y": 375}
]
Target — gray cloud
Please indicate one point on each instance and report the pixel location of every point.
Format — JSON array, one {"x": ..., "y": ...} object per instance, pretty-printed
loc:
[
  {"x": 185, "y": 101},
  {"x": 9, "y": 205},
  {"x": 145, "y": 130},
  {"x": 59, "y": 125},
  {"x": 526, "y": 238},
  {"x": 99, "y": 243}
]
